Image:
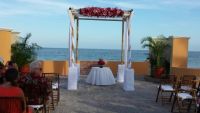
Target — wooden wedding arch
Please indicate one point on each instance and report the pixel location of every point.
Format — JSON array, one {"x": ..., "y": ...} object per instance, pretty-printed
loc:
[
  {"x": 124, "y": 17},
  {"x": 99, "y": 14}
]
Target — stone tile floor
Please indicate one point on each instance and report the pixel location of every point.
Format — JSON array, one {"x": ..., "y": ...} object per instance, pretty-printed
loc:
[{"x": 110, "y": 99}]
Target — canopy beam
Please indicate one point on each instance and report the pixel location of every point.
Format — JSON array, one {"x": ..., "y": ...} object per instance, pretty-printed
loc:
[
  {"x": 122, "y": 48},
  {"x": 77, "y": 36}
]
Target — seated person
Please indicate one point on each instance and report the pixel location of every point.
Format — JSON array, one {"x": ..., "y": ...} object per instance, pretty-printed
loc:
[
  {"x": 9, "y": 89},
  {"x": 35, "y": 86},
  {"x": 2, "y": 71},
  {"x": 11, "y": 64}
]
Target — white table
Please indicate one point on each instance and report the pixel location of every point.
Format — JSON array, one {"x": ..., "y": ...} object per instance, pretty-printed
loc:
[{"x": 100, "y": 76}]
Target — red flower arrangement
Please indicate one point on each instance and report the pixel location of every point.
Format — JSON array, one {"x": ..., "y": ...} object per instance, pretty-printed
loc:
[
  {"x": 101, "y": 12},
  {"x": 101, "y": 62}
]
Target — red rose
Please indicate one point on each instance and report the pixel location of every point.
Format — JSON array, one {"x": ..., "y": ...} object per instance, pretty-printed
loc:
[{"x": 101, "y": 62}]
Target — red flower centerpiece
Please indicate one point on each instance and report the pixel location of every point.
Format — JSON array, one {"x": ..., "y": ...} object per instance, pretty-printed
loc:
[
  {"x": 101, "y": 62},
  {"x": 101, "y": 12}
]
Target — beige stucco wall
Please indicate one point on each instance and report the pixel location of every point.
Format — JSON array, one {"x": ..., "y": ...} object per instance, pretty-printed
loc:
[
  {"x": 7, "y": 38},
  {"x": 140, "y": 68},
  {"x": 179, "y": 54},
  {"x": 55, "y": 67},
  {"x": 5, "y": 44}
]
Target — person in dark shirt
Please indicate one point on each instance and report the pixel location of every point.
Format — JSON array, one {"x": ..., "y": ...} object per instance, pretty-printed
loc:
[
  {"x": 35, "y": 86},
  {"x": 2, "y": 71}
]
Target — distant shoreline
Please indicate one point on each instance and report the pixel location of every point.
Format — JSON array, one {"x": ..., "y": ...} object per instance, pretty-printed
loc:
[{"x": 105, "y": 49}]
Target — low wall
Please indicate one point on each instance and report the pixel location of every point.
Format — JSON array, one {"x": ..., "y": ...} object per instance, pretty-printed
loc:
[
  {"x": 55, "y": 67},
  {"x": 140, "y": 68},
  {"x": 185, "y": 71}
]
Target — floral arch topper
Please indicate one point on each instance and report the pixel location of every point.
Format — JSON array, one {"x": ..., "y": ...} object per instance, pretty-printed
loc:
[{"x": 101, "y": 12}]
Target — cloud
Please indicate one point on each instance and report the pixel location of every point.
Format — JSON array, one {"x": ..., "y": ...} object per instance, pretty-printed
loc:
[
  {"x": 128, "y": 4},
  {"x": 34, "y": 7},
  {"x": 50, "y": 4},
  {"x": 152, "y": 4},
  {"x": 191, "y": 4}
]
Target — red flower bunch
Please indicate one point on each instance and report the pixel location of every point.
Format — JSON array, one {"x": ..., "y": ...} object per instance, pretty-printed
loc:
[
  {"x": 101, "y": 12},
  {"x": 101, "y": 62}
]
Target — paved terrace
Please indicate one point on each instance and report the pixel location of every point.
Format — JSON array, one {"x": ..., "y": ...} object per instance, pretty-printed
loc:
[{"x": 110, "y": 99}]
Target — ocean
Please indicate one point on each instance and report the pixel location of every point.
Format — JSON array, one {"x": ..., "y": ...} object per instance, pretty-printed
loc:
[{"x": 94, "y": 54}]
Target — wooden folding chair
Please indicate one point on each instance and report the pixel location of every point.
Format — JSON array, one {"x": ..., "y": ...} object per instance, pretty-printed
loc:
[
  {"x": 187, "y": 82},
  {"x": 185, "y": 93},
  {"x": 55, "y": 78},
  {"x": 184, "y": 100},
  {"x": 167, "y": 86}
]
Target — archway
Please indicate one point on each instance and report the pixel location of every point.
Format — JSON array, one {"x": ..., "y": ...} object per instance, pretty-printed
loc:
[{"x": 99, "y": 14}]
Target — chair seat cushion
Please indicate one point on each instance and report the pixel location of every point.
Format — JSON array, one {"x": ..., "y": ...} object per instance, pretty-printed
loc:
[
  {"x": 184, "y": 96},
  {"x": 55, "y": 86},
  {"x": 167, "y": 88},
  {"x": 36, "y": 106},
  {"x": 186, "y": 88}
]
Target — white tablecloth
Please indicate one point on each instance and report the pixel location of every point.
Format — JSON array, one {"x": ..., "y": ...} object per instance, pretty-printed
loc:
[{"x": 100, "y": 76}]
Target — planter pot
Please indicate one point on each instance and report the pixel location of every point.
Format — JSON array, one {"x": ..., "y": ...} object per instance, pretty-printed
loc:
[{"x": 159, "y": 71}]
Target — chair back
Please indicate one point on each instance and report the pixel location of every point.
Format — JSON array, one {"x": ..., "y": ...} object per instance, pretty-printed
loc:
[
  {"x": 55, "y": 77},
  {"x": 12, "y": 105},
  {"x": 188, "y": 80}
]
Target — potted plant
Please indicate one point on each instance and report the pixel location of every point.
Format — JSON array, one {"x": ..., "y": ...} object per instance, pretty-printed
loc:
[
  {"x": 23, "y": 53},
  {"x": 156, "y": 53}
]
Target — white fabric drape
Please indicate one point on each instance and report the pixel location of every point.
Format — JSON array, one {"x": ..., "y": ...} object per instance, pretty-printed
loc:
[
  {"x": 127, "y": 43},
  {"x": 71, "y": 40},
  {"x": 74, "y": 69}
]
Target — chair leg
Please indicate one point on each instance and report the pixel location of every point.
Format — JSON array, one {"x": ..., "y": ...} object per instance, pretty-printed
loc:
[
  {"x": 58, "y": 95},
  {"x": 162, "y": 99},
  {"x": 158, "y": 94},
  {"x": 179, "y": 107},
  {"x": 189, "y": 106},
  {"x": 170, "y": 99},
  {"x": 173, "y": 105},
  {"x": 52, "y": 100}
]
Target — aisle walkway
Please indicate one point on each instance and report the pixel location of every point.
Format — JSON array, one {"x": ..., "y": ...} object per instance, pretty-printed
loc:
[{"x": 110, "y": 99}]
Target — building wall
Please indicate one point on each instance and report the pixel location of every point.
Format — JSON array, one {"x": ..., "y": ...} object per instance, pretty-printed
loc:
[
  {"x": 55, "y": 67},
  {"x": 7, "y": 38},
  {"x": 140, "y": 68},
  {"x": 179, "y": 54},
  {"x": 5, "y": 44}
]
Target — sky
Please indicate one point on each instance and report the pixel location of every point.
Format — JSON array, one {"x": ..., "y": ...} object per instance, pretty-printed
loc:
[{"x": 48, "y": 21}]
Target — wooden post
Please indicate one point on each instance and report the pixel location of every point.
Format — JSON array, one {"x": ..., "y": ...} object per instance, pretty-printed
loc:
[
  {"x": 77, "y": 31},
  {"x": 122, "y": 47}
]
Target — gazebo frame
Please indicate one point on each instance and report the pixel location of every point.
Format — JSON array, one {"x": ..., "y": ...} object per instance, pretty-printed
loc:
[
  {"x": 125, "y": 46},
  {"x": 75, "y": 16}
]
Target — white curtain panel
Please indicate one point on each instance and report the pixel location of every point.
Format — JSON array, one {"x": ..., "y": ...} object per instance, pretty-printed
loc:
[
  {"x": 128, "y": 80},
  {"x": 71, "y": 40},
  {"x": 73, "y": 78},
  {"x": 120, "y": 73}
]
